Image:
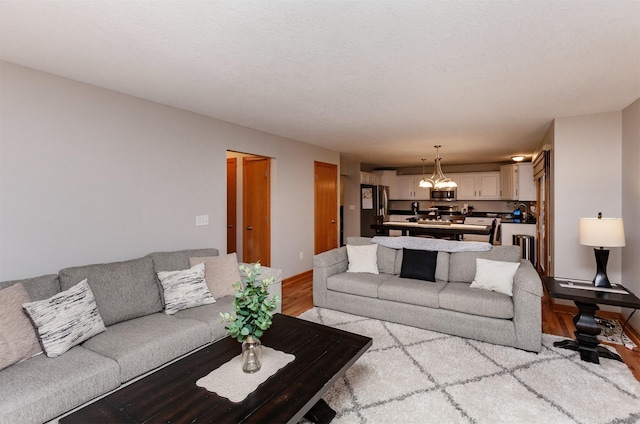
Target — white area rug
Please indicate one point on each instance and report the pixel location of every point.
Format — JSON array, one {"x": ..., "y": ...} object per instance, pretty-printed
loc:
[{"x": 411, "y": 375}]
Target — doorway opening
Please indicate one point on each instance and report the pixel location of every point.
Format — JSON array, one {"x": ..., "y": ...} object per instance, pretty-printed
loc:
[{"x": 249, "y": 207}]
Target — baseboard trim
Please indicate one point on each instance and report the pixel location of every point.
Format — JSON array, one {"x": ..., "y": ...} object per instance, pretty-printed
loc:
[{"x": 294, "y": 279}]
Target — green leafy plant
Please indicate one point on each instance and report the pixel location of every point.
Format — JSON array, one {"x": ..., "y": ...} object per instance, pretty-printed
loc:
[{"x": 253, "y": 308}]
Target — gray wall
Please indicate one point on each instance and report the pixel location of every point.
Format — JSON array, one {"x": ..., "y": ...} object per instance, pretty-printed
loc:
[
  {"x": 89, "y": 175},
  {"x": 587, "y": 180},
  {"x": 631, "y": 200}
]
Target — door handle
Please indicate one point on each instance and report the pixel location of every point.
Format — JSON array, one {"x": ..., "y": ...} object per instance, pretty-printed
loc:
[
  {"x": 229, "y": 226},
  {"x": 249, "y": 228},
  {"x": 333, "y": 221}
]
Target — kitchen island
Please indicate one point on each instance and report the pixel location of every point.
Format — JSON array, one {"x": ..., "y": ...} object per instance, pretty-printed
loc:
[{"x": 437, "y": 229}]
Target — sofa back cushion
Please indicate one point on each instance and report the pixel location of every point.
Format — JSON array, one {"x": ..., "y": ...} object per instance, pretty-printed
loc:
[
  {"x": 179, "y": 260},
  {"x": 122, "y": 290},
  {"x": 462, "y": 266},
  {"x": 386, "y": 255},
  {"x": 38, "y": 288}
]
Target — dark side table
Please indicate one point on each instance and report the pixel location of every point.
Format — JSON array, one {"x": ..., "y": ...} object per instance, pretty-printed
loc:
[{"x": 587, "y": 329}]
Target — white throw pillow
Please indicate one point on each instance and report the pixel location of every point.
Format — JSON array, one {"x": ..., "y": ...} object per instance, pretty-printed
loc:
[
  {"x": 495, "y": 275},
  {"x": 221, "y": 273},
  {"x": 66, "y": 319},
  {"x": 185, "y": 289},
  {"x": 363, "y": 258}
]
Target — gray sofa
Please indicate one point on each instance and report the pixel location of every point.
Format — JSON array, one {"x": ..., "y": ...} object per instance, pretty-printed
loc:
[
  {"x": 448, "y": 305},
  {"x": 139, "y": 337}
]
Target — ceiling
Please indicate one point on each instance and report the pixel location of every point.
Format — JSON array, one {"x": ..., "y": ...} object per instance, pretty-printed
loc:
[{"x": 380, "y": 81}]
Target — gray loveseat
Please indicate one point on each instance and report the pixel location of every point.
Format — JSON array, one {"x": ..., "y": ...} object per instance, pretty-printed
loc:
[
  {"x": 139, "y": 336},
  {"x": 448, "y": 305}
]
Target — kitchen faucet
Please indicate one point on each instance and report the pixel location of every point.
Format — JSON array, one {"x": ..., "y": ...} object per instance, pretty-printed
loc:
[{"x": 525, "y": 213}]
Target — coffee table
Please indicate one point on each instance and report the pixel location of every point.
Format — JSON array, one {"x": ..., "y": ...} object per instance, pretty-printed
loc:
[{"x": 323, "y": 355}]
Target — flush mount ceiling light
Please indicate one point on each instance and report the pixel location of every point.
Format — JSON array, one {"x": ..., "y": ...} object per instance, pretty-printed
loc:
[
  {"x": 517, "y": 158},
  {"x": 437, "y": 181}
]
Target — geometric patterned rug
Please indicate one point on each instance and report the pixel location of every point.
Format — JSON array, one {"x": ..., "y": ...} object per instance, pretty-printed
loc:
[{"x": 411, "y": 375}]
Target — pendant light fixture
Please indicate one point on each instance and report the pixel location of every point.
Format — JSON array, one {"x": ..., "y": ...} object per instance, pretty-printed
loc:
[
  {"x": 424, "y": 182},
  {"x": 438, "y": 181}
]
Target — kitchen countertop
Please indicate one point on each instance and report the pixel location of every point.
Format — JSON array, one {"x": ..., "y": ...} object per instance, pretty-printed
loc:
[
  {"x": 511, "y": 221},
  {"x": 438, "y": 229}
]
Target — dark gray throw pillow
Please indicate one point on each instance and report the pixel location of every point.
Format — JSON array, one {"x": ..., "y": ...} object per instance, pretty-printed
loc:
[{"x": 419, "y": 264}]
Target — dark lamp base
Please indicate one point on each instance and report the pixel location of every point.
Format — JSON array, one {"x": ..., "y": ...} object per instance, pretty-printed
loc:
[{"x": 601, "y": 279}]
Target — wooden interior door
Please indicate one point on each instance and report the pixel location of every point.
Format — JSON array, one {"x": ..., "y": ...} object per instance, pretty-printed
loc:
[
  {"x": 232, "y": 193},
  {"x": 326, "y": 207},
  {"x": 256, "y": 210}
]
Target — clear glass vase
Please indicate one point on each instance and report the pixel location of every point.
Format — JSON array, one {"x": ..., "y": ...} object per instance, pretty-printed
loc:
[{"x": 251, "y": 355}]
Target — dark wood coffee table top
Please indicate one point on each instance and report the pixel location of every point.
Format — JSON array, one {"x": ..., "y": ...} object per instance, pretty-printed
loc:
[{"x": 323, "y": 355}]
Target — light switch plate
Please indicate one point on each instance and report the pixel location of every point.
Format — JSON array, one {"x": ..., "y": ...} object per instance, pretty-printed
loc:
[{"x": 202, "y": 220}]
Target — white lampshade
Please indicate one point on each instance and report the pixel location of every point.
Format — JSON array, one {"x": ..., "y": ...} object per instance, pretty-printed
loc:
[{"x": 601, "y": 232}]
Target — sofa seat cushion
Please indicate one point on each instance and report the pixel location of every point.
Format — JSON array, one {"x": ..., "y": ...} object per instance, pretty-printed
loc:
[
  {"x": 142, "y": 344},
  {"x": 210, "y": 315},
  {"x": 40, "y": 388},
  {"x": 460, "y": 297},
  {"x": 357, "y": 283},
  {"x": 408, "y": 290},
  {"x": 123, "y": 290}
]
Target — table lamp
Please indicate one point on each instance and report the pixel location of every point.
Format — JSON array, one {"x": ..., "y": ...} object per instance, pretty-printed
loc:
[{"x": 601, "y": 232}]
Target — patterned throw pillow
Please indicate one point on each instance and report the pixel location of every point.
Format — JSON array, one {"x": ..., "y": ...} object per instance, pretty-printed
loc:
[
  {"x": 66, "y": 319},
  {"x": 185, "y": 289},
  {"x": 18, "y": 339}
]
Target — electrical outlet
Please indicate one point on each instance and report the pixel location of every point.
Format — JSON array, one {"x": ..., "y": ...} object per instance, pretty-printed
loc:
[{"x": 301, "y": 255}]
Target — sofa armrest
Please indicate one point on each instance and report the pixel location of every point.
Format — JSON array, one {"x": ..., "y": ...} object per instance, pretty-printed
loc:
[
  {"x": 527, "y": 279},
  {"x": 325, "y": 265},
  {"x": 527, "y": 307},
  {"x": 275, "y": 288}
]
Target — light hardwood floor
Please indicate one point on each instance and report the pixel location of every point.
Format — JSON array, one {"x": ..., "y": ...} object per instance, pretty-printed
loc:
[{"x": 297, "y": 298}]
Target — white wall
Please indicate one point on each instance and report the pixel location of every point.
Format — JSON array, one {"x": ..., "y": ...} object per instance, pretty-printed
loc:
[
  {"x": 587, "y": 180},
  {"x": 631, "y": 201},
  {"x": 351, "y": 211},
  {"x": 89, "y": 175}
]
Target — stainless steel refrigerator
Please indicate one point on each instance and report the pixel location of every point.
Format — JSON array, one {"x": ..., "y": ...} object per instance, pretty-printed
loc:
[{"x": 374, "y": 202}]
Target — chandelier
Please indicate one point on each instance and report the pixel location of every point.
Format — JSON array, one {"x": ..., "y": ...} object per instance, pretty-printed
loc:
[{"x": 437, "y": 181}]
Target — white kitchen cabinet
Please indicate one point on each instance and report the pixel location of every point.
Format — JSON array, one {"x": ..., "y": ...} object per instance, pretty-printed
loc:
[
  {"x": 478, "y": 185},
  {"x": 408, "y": 188},
  {"x": 369, "y": 178},
  {"x": 517, "y": 182},
  {"x": 388, "y": 178}
]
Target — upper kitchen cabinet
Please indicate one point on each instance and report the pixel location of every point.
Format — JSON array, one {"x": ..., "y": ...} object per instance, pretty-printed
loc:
[
  {"x": 478, "y": 185},
  {"x": 408, "y": 188},
  {"x": 388, "y": 178},
  {"x": 517, "y": 182},
  {"x": 369, "y": 178}
]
